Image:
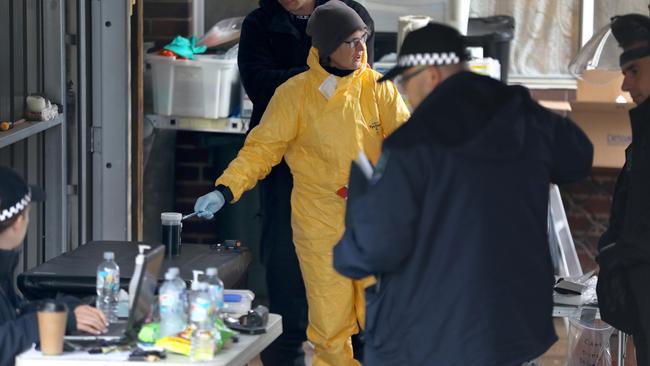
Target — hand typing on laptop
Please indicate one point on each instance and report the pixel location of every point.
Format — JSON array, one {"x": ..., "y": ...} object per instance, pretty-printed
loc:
[
  {"x": 91, "y": 323},
  {"x": 90, "y": 320}
]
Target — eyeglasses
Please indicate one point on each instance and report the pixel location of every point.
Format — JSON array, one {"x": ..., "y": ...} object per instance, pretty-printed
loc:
[
  {"x": 401, "y": 80},
  {"x": 355, "y": 42}
]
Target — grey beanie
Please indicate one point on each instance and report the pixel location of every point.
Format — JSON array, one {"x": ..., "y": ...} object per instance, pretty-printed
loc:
[{"x": 330, "y": 24}]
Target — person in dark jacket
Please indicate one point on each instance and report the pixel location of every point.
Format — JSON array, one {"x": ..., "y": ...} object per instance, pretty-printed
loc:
[
  {"x": 453, "y": 220},
  {"x": 18, "y": 323},
  {"x": 273, "y": 48},
  {"x": 624, "y": 255}
]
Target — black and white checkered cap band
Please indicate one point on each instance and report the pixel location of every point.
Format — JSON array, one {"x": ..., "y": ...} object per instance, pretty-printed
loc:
[
  {"x": 435, "y": 59},
  {"x": 14, "y": 210}
]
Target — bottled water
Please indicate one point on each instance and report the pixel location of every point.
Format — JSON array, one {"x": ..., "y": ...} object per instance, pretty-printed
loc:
[
  {"x": 215, "y": 289},
  {"x": 171, "y": 307},
  {"x": 185, "y": 302},
  {"x": 202, "y": 346},
  {"x": 108, "y": 286}
]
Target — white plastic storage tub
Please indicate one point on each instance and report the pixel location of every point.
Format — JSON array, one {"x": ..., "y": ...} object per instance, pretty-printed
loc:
[{"x": 202, "y": 87}]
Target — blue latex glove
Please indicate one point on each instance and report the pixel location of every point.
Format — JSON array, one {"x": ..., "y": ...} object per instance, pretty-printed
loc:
[{"x": 208, "y": 205}]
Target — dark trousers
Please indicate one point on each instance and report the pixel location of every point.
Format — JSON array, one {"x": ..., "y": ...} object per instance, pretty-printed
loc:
[
  {"x": 639, "y": 279},
  {"x": 284, "y": 282}
]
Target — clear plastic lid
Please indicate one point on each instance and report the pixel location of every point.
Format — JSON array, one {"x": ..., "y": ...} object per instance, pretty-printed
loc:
[
  {"x": 171, "y": 218},
  {"x": 52, "y": 306},
  {"x": 600, "y": 53},
  {"x": 174, "y": 271},
  {"x": 212, "y": 271},
  {"x": 109, "y": 256}
]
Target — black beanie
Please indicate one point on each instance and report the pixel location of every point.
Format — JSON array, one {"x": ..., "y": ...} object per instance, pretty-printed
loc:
[
  {"x": 631, "y": 28},
  {"x": 330, "y": 24}
]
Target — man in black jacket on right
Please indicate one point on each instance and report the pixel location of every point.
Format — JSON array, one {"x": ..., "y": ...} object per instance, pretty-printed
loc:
[
  {"x": 273, "y": 48},
  {"x": 453, "y": 221},
  {"x": 624, "y": 255}
]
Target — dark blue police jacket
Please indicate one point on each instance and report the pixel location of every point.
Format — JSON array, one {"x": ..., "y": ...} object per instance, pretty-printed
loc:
[
  {"x": 18, "y": 322},
  {"x": 454, "y": 226}
]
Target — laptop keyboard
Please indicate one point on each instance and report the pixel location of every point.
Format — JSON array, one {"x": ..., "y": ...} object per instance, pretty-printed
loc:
[{"x": 113, "y": 330}]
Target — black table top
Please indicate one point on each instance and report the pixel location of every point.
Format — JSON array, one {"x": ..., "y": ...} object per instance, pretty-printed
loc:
[{"x": 74, "y": 272}]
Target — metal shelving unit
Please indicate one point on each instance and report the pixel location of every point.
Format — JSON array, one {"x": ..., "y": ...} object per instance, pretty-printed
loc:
[
  {"x": 237, "y": 126},
  {"x": 26, "y": 130},
  {"x": 33, "y": 31}
]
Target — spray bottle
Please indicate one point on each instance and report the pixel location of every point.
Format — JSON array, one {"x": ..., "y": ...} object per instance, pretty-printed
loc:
[
  {"x": 137, "y": 270},
  {"x": 194, "y": 293}
]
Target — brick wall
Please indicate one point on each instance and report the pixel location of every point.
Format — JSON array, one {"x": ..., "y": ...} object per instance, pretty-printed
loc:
[
  {"x": 164, "y": 19},
  {"x": 195, "y": 175},
  {"x": 587, "y": 203}
]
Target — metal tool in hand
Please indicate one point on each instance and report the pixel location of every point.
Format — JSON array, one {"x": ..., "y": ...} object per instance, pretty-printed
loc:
[{"x": 190, "y": 215}]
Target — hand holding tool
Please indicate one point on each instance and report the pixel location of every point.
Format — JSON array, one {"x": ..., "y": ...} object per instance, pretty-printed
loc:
[{"x": 207, "y": 205}]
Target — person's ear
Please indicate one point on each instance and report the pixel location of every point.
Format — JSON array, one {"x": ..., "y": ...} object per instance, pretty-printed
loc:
[
  {"x": 434, "y": 77},
  {"x": 19, "y": 222}
]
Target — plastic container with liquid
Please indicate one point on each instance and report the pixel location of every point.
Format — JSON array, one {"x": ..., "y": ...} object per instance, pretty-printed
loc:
[{"x": 171, "y": 233}]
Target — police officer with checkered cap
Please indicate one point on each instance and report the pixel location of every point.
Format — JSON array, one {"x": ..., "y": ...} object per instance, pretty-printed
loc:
[
  {"x": 15, "y": 196},
  {"x": 624, "y": 249},
  {"x": 428, "y": 56},
  {"x": 454, "y": 216},
  {"x": 18, "y": 323}
]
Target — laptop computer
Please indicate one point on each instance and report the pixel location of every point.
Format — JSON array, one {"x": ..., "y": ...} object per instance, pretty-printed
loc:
[{"x": 145, "y": 292}]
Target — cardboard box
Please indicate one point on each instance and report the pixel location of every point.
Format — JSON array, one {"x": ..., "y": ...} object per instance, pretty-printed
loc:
[
  {"x": 601, "y": 86},
  {"x": 601, "y": 110},
  {"x": 608, "y": 128}
]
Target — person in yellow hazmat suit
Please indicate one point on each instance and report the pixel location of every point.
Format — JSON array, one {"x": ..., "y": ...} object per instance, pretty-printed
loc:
[{"x": 319, "y": 121}]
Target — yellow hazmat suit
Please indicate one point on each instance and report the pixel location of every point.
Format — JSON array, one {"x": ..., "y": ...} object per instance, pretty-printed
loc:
[{"x": 318, "y": 138}]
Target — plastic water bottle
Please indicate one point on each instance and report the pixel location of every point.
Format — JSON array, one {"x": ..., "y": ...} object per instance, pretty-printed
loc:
[
  {"x": 202, "y": 346},
  {"x": 185, "y": 302},
  {"x": 108, "y": 286},
  {"x": 171, "y": 307},
  {"x": 215, "y": 289}
]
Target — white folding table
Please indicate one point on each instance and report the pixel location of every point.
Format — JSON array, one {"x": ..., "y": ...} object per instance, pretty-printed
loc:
[{"x": 236, "y": 354}]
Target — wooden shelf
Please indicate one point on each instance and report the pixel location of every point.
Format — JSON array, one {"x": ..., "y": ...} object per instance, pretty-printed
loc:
[{"x": 26, "y": 130}]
